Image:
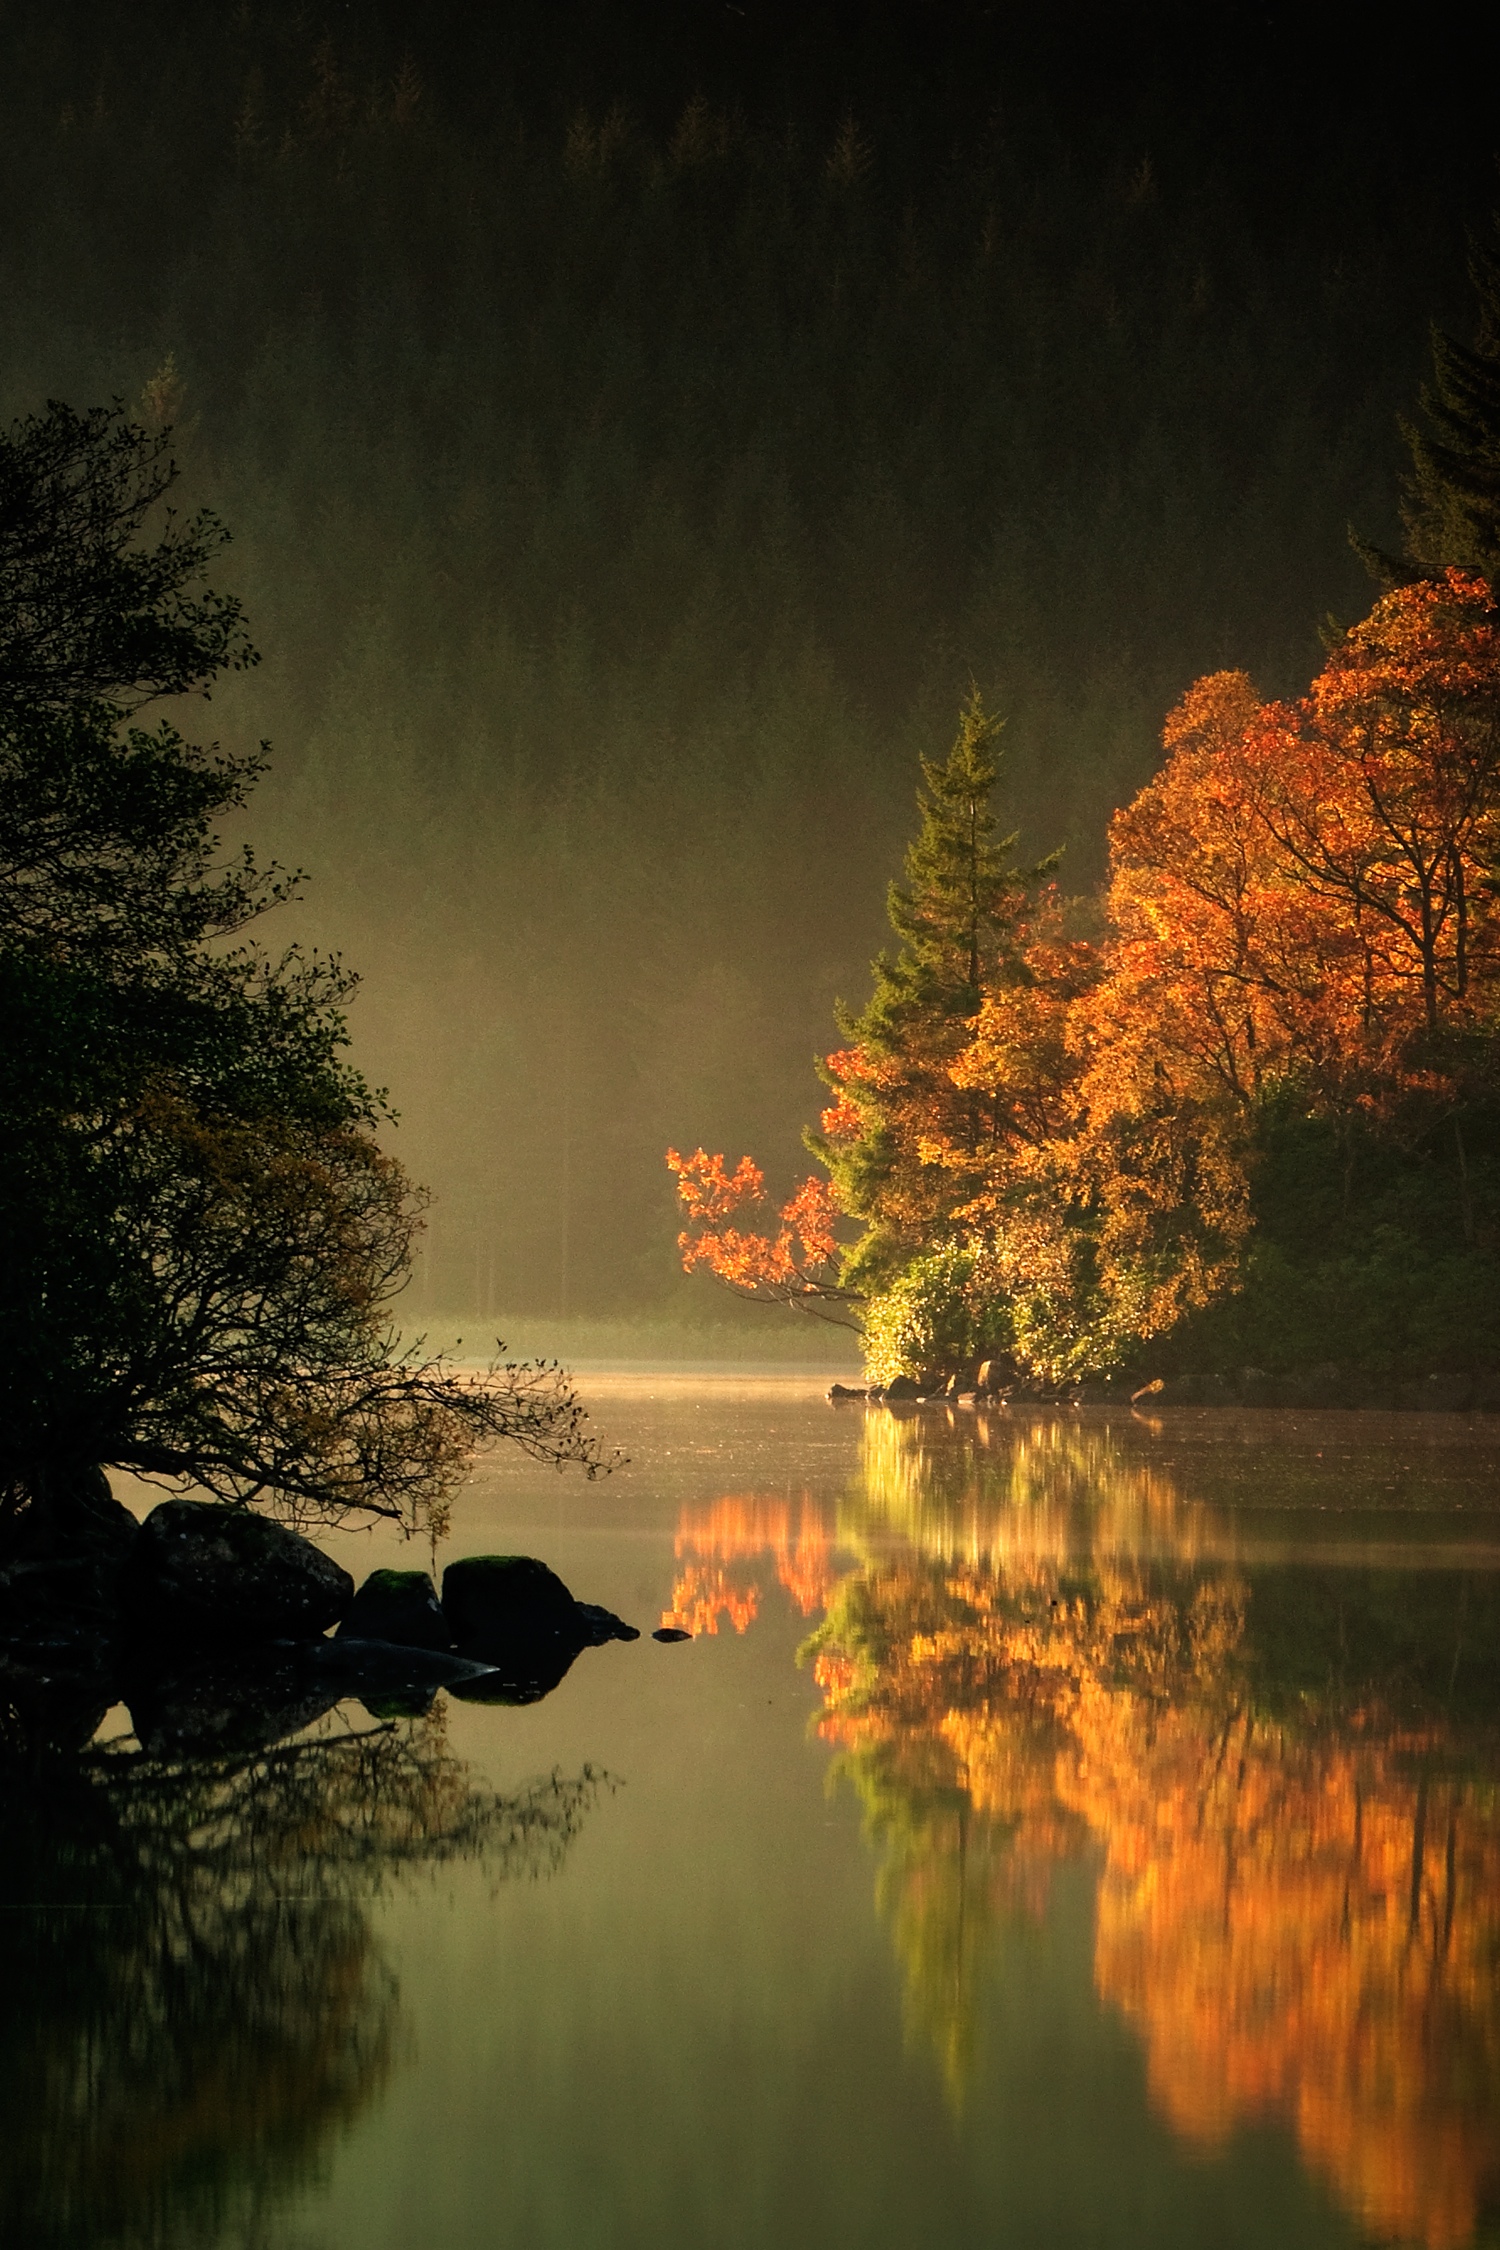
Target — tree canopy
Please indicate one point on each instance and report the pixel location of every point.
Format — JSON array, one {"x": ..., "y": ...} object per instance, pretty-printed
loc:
[
  {"x": 202, "y": 1236},
  {"x": 89, "y": 612},
  {"x": 1262, "y": 1114}
]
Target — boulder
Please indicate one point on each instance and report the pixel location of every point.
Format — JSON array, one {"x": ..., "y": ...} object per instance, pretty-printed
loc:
[
  {"x": 399, "y": 1606},
  {"x": 512, "y": 1612},
  {"x": 201, "y": 1571},
  {"x": 489, "y": 1600},
  {"x": 901, "y": 1387},
  {"x": 837, "y": 1391}
]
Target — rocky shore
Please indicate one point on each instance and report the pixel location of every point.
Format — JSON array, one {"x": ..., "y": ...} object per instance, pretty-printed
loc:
[
  {"x": 223, "y": 1630},
  {"x": 1328, "y": 1386}
]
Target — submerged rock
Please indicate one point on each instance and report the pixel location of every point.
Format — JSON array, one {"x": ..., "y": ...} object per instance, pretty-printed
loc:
[
  {"x": 201, "y": 1570},
  {"x": 526, "y": 1672},
  {"x": 400, "y": 1606},
  {"x": 51, "y": 1702},
  {"x": 392, "y": 1679}
]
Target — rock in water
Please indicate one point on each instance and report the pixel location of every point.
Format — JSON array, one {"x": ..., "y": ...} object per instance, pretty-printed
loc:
[
  {"x": 201, "y": 1570},
  {"x": 511, "y": 1611},
  {"x": 493, "y": 1601},
  {"x": 670, "y": 1633},
  {"x": 400, "y": 1606},
  {"x": 602, "y": 1625}
]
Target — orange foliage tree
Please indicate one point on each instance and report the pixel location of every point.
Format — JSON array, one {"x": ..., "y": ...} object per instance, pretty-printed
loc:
[
  {"x": 796, "y": 1265},
  {"x": 1302, "y": 921},
  {"x": 1301, "y": 908}
]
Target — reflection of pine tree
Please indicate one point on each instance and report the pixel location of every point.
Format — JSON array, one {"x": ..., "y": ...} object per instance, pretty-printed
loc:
[{"x": 201, "y": 2001}]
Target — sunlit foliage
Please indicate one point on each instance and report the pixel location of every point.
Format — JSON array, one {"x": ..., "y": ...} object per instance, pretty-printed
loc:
[{"x": 1077, "y": 1155}]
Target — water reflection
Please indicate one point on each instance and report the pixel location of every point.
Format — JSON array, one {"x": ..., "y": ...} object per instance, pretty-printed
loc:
[
  {"x": 1041, "y": 1645},
  {"x": 194, "y": 1998},
  {"x": 720, "y": 1552}
]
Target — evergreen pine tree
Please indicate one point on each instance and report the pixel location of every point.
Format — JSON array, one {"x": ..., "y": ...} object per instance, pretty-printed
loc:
[
  {"x": 1450, "y": 501},
  {"x": 958, "y": 917}
]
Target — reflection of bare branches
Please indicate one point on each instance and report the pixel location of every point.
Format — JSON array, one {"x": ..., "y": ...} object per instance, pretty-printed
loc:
[
  {"x": 195, "y": 1998},
  {"x": 336, "y": 1810}
]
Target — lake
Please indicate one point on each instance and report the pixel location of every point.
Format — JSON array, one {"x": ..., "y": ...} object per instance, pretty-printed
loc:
[{"x": 1063, "y": 1828}]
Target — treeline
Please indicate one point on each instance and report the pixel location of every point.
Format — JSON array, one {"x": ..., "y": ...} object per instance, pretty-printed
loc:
[
  {"x": 1257, "y": 1122},
  {"x": 636, "y": 442}
]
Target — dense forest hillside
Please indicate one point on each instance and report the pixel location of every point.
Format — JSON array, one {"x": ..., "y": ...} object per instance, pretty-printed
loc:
[{"x": 640, "y": 426}]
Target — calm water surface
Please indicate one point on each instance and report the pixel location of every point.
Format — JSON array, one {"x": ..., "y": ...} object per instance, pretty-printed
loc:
[{"x": 1060, "y": 1830}]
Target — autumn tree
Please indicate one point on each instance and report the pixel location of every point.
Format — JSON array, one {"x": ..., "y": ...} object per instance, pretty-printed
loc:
[
  {"x": 200, "y": 1234},
  {"x": 1302, "y": 942}
]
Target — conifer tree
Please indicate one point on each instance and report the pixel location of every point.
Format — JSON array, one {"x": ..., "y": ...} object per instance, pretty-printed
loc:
[
  {"x": 1450, "y": 500},
  {"x": 959, "y": 918}
]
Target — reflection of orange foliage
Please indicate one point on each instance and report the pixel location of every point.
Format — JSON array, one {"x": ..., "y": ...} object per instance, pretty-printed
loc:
[
  {"x": 740, "y": 1530},
  {"x": 1308, "y": 1928},
  {"x": 1303, "y": 1923},
  {"x": 700, "y": 1597}
]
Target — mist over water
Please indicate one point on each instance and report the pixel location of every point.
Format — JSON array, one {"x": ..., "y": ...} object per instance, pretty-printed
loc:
[{"x": 633, "y": 452}]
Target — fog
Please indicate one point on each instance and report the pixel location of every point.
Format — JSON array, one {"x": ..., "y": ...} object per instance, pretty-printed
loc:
[{"x": 637, "y": 429}]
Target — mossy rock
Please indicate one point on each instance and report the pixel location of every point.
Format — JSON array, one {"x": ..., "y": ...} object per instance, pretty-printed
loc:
[
  {"x": 493, "y": 1602},
  {"x": 400, "y": 1606}
]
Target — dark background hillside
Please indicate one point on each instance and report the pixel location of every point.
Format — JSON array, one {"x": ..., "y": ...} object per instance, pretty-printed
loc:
[{"x": 638, "y": 424}]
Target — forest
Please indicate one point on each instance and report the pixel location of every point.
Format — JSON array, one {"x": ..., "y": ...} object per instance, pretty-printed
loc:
[{"x": 634, "y": 449}]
